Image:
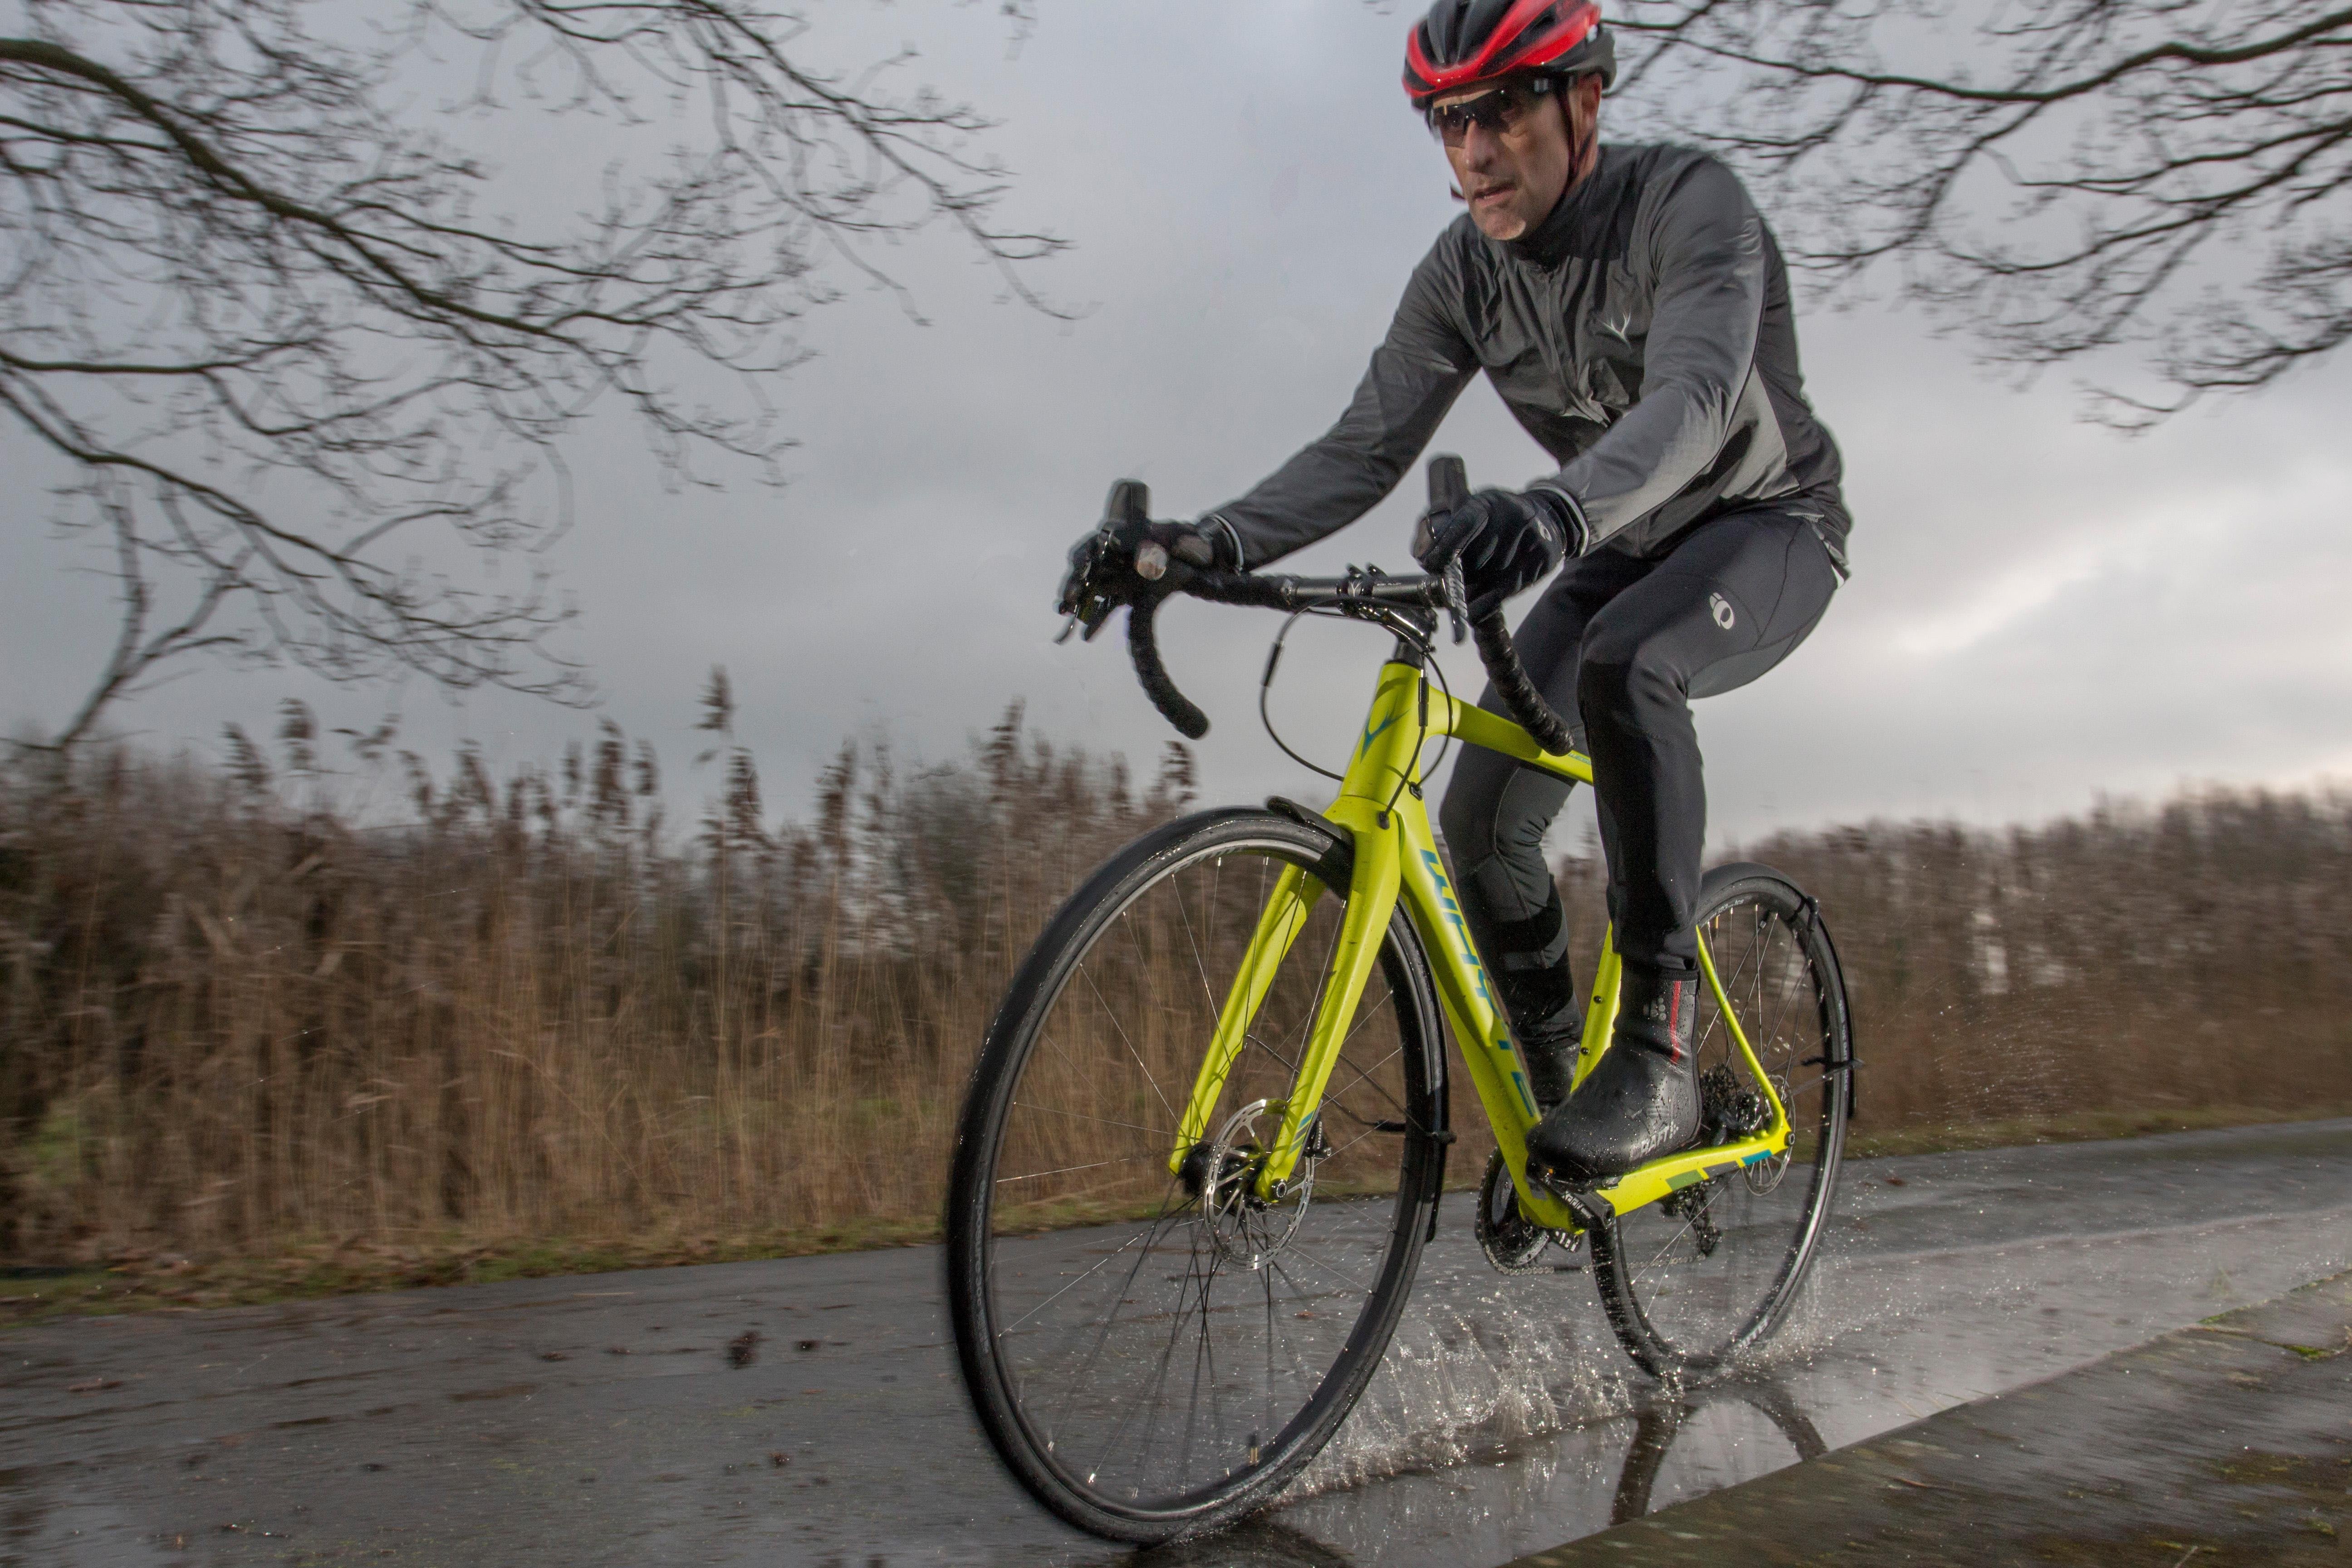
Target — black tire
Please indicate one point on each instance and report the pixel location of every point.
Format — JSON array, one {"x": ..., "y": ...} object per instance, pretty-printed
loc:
[
  {"x": 1693, "y": 1283},
  {"x": 1139, "y": 1400}
]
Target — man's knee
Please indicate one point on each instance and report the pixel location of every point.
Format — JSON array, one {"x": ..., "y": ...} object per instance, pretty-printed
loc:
[
  {"x": 1624, "y": 673},
  {"x": 1473, "y": 797}
]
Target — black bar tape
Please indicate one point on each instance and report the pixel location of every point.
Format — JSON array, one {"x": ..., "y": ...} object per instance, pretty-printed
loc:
[
  {"x": 1242, "y": 588},
  {"x": 1144, "y": 648},
  {"x": 1511, "y": 683}
]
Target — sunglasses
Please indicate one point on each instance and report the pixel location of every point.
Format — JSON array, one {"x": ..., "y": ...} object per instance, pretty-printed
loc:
[{"x": 1500, "y": 111}]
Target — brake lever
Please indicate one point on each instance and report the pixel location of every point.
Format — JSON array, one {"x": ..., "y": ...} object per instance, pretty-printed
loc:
[
  {"x": 1457, "y": 601},
  {"x": 1087, "y": 609}
]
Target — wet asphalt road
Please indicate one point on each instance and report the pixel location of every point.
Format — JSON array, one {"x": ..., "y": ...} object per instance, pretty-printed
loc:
[
  {"x": 598, "y": 1420},
  {"x": 2227, "y": 1443}
]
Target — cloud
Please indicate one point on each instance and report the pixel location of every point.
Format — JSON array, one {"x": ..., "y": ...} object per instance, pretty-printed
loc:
[{"x": 2040, "y": 609}]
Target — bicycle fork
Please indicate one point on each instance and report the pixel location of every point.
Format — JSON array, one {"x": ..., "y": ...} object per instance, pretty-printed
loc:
[{"x": 1372, "y": 898}]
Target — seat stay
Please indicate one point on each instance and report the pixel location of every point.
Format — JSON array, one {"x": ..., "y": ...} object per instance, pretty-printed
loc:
[
  {"x": 1776, "y": 1132},
  {"x": 1648, "y": 1184}
]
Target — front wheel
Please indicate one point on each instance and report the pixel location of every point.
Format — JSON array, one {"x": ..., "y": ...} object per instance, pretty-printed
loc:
[
  {"x": 1696, "y": 1279},
  {"x": 1155, "y": 1353}
]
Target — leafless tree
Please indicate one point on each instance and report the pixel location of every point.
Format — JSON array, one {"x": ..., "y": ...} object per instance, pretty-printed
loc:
[
  {"x": 307, "y": 342},
  {"x": 2061, "y": 176}
]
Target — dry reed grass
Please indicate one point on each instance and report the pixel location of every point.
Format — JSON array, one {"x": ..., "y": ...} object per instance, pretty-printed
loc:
[{"x": 236, "y": 1019}]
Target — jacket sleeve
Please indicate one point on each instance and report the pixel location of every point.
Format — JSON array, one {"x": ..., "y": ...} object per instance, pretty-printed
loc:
[
  {"x": 1415, "y": 374},
  {"x": 1707, "y": 254}
]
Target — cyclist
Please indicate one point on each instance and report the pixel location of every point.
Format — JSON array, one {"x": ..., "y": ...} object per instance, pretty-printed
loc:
[{"x": 1631, "y": 307}]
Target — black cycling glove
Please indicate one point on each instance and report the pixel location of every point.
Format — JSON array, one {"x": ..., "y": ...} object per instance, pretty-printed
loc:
[
  {"x": 1506, "y": 541},
  {"x": 1104, "y": 573}
]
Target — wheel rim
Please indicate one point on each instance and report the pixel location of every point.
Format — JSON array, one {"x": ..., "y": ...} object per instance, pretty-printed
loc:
[
  {"x": 1163, "y": 1352},
  {"x": 1708, "y": 1271}
]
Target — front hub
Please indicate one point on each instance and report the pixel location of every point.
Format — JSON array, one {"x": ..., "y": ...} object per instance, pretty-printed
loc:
[{"x": 1247, "y": 1228}]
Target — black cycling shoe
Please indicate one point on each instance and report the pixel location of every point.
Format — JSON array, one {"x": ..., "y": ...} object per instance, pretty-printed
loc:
[{"x": 1642, "y": 1100}]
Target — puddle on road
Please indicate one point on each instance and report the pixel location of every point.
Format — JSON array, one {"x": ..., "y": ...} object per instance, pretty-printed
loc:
[{"x": 1524, "y": 1427}]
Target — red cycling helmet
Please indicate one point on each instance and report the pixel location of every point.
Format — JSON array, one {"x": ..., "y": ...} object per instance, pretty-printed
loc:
[{"x": 1462, "y": 43}]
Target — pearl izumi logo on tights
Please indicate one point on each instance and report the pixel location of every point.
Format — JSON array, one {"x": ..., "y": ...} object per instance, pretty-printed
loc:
[{"x": 1720, "y": 607}]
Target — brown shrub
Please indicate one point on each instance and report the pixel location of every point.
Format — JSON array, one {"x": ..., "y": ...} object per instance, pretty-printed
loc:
[{"x": 231, "y": 1021}]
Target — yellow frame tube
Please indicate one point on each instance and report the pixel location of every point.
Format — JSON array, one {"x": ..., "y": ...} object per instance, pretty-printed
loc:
[
  {"x": 1279, "y": 925},
  {"x": 1778, "y": 1128},
  {"x": 1653, "y": 1181},
  {"x": 1396, "y": 861}
]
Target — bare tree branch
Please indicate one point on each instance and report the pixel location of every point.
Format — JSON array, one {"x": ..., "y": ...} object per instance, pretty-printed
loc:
[
  {"x": 2060, "y": 177},
  {"x": 272, "y": 322}
]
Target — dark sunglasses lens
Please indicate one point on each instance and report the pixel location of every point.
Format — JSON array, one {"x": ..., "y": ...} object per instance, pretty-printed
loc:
[{"x": 1495, "y": 111}]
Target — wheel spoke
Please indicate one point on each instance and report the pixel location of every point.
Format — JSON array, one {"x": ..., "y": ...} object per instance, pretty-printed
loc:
[
  {"x": 1145, "y": 1377},
  {"x": 1129, "y": 1043},
  {"x": 1703, "y": 1274}
]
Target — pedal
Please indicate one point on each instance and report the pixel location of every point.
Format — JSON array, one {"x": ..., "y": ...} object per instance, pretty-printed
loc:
[{"x": 1576, "y": 1195}]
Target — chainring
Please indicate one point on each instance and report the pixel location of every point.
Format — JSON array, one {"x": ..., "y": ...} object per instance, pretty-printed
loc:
[{"x": 1513, "y": 1243}]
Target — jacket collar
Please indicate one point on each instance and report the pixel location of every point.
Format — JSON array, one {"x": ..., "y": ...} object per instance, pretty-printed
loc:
[{"x": 1582, "y": 212}]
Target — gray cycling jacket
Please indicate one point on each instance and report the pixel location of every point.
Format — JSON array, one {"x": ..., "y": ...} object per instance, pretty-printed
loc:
[{"x": 1642, "y": 333}]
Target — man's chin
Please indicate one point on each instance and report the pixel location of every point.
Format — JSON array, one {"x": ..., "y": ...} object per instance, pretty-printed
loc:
[{"x": 1507, "y": 225}]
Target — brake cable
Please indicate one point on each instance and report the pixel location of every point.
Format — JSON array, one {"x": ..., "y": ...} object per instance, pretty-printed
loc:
[
  {"x": 1266, "y": 686},
  {"x": 1429, "y": 664}
]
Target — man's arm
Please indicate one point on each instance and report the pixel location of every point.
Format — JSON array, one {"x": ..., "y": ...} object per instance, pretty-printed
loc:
[
  {"x": 1415, "y": 374},
  {"x": 1708, "y": 249}
]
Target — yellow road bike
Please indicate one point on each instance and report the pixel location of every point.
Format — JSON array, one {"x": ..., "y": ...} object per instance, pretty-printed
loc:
[{"x": 1208, "y": 1133}]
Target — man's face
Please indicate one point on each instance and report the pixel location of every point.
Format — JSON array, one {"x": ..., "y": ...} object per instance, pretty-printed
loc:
[{"x": 1511, "y": 164}]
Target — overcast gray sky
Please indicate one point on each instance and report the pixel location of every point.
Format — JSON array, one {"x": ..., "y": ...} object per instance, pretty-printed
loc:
[{"x": 2041, "y": 610}]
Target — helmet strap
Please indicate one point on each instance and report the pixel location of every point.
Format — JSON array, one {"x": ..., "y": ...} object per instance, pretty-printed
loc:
[{"x": 1576, "y": 149}]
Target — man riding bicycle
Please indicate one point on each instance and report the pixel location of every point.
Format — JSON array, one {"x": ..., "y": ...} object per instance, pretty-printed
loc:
[{"x": 1631, "y": 307}]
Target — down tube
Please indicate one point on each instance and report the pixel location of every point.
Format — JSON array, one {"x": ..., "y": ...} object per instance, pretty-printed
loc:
[{"x": 1480, "y": 1027}]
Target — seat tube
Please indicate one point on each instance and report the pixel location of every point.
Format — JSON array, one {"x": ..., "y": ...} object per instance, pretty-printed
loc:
[{"x": 1601, "y": 1017}]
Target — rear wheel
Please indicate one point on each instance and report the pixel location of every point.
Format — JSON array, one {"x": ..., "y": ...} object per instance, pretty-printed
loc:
[
  {"x": 1155, "y": 1353},
  {"x": 1695, "y": 1280}
]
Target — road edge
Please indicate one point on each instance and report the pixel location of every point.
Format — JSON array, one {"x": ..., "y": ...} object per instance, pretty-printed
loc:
[{"x": 2224, "y": 1442}]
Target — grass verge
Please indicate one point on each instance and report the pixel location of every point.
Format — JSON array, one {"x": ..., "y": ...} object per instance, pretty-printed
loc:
[
  {"x": 323, "y": 1268},
  {"x": 2081, "y": 1127},
  {"x": 312, "y": 1270}
]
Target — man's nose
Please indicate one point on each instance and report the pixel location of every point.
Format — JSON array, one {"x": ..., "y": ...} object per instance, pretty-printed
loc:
[{"x": 1480, "y": 146}]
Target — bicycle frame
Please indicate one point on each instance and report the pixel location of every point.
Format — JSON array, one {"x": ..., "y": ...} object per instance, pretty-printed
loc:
[{"x": 1396, "y": 861}]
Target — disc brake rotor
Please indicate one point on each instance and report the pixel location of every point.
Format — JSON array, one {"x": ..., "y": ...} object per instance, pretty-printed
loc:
[
  {"x": 1247, "y": 1230},
  {"x": 1729, "y": 1113}
]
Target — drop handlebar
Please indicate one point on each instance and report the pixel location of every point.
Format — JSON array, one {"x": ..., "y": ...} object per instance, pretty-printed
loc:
[{"x": 1368, "y": 592}]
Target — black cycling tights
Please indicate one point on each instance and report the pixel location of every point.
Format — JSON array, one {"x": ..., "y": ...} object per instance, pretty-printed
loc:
[{"x": 1620, "y": 646}]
